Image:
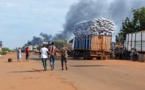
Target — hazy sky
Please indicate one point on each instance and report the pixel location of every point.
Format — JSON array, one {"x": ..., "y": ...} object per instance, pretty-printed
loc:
[{"x": 20, "y": 20}]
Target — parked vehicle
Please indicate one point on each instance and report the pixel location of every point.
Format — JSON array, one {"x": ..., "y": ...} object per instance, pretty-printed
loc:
[
  {"x": 135, "y": 40},
  {"x": 92, "y": 46}
]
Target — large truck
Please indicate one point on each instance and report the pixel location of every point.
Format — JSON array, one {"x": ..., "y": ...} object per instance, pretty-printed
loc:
[
  {"x": 92, "y": 46},
  {"x": 135, "y": 40},
  {"x": 93, "y": 38}
]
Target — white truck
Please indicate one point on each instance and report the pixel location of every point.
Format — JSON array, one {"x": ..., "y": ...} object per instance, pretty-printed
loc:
[{"x": 136, "y": 40}]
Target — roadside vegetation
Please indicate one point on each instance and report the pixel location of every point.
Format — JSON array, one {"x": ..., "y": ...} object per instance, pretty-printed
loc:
[
  {"x": 137, "y": 23},
  {"x": 6, "y": 50}
]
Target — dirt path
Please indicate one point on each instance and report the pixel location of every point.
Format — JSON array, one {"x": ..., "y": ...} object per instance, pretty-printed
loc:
[
  {"x": 81, "y": 75},
  {"x": 23, "y": 76}
]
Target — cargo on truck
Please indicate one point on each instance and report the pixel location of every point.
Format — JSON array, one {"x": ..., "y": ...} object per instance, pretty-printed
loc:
[{"x": 93, "y": 38}]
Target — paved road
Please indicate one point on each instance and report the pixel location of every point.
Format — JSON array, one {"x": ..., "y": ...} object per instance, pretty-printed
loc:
[{"x": 101, "y": 74}]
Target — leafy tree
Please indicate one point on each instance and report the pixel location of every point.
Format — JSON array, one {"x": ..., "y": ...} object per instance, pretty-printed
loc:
[
  {"x": 134, "y": 25},
  {"x": 117, "y": 38},
  {"x": 5, "y": 49},
  {"x": 139, "y": 19}
]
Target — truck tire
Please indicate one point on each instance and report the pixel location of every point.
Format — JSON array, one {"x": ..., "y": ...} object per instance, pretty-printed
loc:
[
  {"x": 85, "y": 55},
  {"x": 74, "y": 55},
  {"x": 90, "y": 58}
]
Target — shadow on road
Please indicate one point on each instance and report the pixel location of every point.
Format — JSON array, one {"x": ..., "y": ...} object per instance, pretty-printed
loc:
[
  {"x": 56, "y": 58},
  {"x": 87, "y": 65},
  {"x": 34, "y": 70},
  {"x": 35, "y": 58}
]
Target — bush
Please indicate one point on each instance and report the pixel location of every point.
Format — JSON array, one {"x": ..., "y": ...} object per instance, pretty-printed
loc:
[
  {"x": 6, "y": 49},
  {"x": 3, "y": 53}
]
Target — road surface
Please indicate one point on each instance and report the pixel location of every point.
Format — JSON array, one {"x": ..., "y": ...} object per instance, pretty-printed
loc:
[
  {"x": 103, "y": 74},
  {"x": 81, "y": 75}
]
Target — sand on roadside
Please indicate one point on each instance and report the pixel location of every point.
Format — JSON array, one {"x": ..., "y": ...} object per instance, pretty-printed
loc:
[{"x": 23, "y": 76}]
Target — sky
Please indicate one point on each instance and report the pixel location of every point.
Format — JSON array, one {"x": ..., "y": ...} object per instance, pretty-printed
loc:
[{"x": 20, "y": 20}]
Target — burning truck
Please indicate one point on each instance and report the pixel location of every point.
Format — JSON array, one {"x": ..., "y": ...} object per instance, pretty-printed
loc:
[{"x": 93, "y": 38}]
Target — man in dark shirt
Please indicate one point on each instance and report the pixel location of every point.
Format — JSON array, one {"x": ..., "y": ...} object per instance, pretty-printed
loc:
[{"x": 27, "y": 53}]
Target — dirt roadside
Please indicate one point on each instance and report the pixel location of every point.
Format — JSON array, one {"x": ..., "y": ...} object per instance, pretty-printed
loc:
[
  {"x": 81, "y": 75},
  {"x": 22, "y": 76}
]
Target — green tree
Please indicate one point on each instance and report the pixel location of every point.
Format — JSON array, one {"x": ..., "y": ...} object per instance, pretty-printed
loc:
[
  {"x": 117, "y": 38},
  {"x": 139, "y": 19},
  {"x": 5, "y": 49},
  {"x": 134, "y": 25}
]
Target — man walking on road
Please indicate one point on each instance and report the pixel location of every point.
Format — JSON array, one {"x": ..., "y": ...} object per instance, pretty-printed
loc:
[
  {"x": 27, "y": 53},
  {"x": 52, "y": 53},
  {"x": 64, "y": 56},
  {"x": 44, "y": 56},
  {"x": 19, "y": 54}
]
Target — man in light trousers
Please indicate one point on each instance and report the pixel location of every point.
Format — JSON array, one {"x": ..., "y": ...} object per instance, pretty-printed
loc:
[
  {"x": 44, "y": 56},
  {"x": 52, "y": 53}
]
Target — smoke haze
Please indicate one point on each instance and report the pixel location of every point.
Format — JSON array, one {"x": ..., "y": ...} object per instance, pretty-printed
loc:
[
  {"x": 115, "y": 10},
  {"x": 38, "y": 40}
]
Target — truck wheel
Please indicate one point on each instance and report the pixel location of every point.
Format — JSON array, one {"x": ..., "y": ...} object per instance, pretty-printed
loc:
[
  {"x": 98, "y": 58},
  {"x": 89, "y": 58},
  {"x": 103, "y": 58},
  {"x": 74, "y": 55},
  {"x": 85, "y": 56}
]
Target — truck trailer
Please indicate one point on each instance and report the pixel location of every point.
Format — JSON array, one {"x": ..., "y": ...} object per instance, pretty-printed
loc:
[
  {"x": 93, "y": 38},
  {"x": 92, "y": 46},
  {"x": 136, "y": 40}
]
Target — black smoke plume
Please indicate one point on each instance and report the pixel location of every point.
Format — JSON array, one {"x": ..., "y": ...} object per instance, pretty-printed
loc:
[
  {"x": 38, "y": 40},
  {"x": 45, "y": 37},
  {"x": 115, "y": 10}
]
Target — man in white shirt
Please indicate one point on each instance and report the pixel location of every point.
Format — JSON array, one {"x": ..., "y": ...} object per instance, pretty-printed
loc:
[
  {"x": 19, "y": 54},
  {"x": 44, "y": 56}
]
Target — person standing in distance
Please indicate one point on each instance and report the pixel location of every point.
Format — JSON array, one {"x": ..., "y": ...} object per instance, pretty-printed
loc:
[
  {"x": 19, "y": 54},
  {"x": 44, "y": 56},
  {"x": 64, "y": 56},
  {"x": 27, "y": 53},
  {"x": 52, "y": 53}
]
